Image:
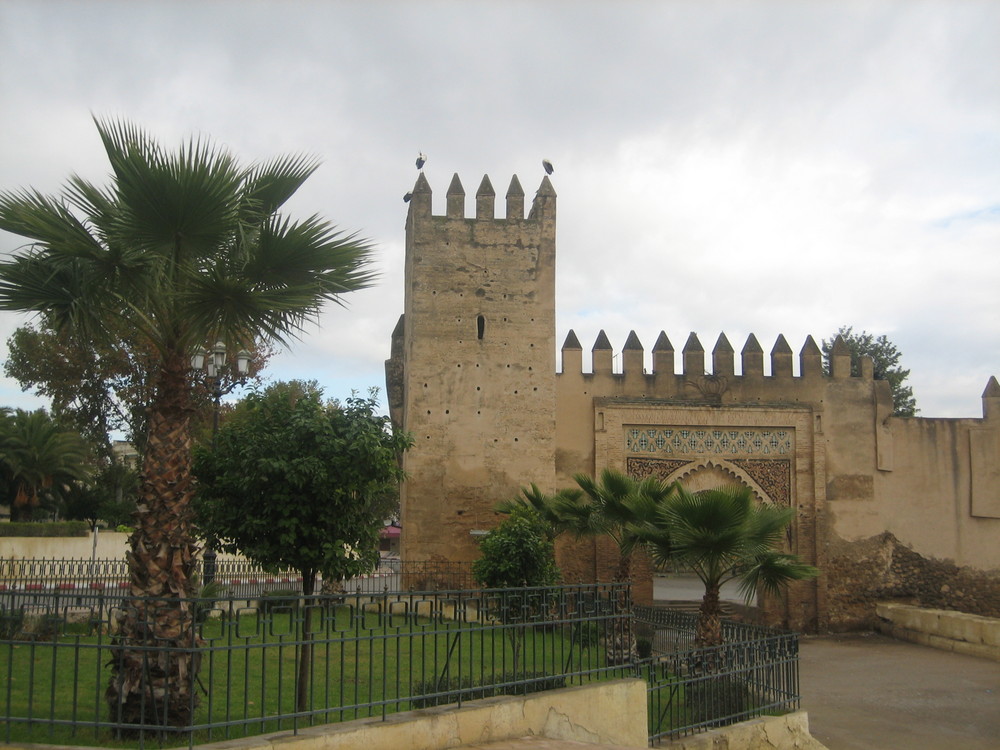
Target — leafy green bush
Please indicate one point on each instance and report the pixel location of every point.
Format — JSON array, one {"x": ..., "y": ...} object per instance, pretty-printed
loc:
[
  {"x": 586, "y": 634},
  {"x": 11, "y": 623},
  {"x": 717, "y": 701},
  {"x": 517, "y": 553},
  {"x": 286, "y": 599},
  {"x": 52, "y": 528}
]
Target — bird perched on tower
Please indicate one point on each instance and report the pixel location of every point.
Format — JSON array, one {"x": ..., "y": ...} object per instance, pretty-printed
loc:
[
  {"x": 547, "y": 166},
  {"x": 421, "y": 160}
]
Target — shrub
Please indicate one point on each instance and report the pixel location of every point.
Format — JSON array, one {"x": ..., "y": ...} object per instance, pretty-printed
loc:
[
  {"x": 11, "y": 623},
  {"x": 717, "y": 701},
  {"x": 279, "y": 599},
  {"x": 586, "y": 634}
]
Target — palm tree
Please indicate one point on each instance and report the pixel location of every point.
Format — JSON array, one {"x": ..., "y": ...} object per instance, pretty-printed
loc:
[
  {"x": 39, "y": 458},
  {"x": 722, "y": 534},
  {"x": 186, "y": 247},
  {"x": 545, "y": 506},
  {"x": 616, "y": 506}
]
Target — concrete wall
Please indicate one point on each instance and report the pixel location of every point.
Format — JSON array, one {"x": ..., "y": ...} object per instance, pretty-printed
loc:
[
  {"x": 788, "y": 732},
  {"x": 111, "y": 545},
  {"x": 944, "y": 629},
  {"x": 567, "y": 714}
]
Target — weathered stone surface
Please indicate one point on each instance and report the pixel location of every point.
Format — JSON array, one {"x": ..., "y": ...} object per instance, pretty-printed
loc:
[{"x": 473, "y": 377}]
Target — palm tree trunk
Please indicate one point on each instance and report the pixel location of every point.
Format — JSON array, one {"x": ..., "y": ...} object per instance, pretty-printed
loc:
[
  {"x": 709, "y": 629},
  {"x": 621, "y": 641},
  {"x": 150, "y": 685}
]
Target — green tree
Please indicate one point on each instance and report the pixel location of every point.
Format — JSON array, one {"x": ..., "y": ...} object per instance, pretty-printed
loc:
[
  {"x": 722, "y": 534},
  {"x": 295, "y": 482},
  {"x": 40, "y": 459},
  {"x": 885, "y": 357},
  {"x": 101, "y": 386},
  {"x": 545, "y": 506},
  {"x": 109, "y": 495},
  {"x": 616, "y": 506},
  {"x": 517, "y": 554},
  {"x": 184, "y": 247}
]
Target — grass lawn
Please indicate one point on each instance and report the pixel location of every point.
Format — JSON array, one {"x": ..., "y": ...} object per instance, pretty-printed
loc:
[{"x": 363, "y": 664}]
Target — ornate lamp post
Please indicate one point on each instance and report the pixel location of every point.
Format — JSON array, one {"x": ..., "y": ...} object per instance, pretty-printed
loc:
[{"x": 212, "y": 364}]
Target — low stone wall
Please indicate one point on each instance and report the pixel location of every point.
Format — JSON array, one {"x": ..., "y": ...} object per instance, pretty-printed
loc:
[
  {"x": 788, "y": 732},
  {"x": 566, "y": 714},
  {"x": 862, "y": 573},
  {"x": 952, "y": 631}
]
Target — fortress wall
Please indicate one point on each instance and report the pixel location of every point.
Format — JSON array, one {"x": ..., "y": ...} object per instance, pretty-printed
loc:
[
  {"x": 928, "y": 499},
  {"x": 473, "y": 377},
  {"x": 477, "y": 389}
]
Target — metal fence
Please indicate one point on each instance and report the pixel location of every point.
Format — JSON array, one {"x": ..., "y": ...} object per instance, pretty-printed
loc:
[
  {"x": 371, "y": 655},
  {"x": 103, "y": 583},
  {"x": 754, "y": 673},
  {"x": 375, "y": 651}
]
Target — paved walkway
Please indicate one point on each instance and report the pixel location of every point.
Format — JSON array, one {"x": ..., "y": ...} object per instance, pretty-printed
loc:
[
  {"x": 865, "y": 691},
  {"x": 870, "y": 692}
]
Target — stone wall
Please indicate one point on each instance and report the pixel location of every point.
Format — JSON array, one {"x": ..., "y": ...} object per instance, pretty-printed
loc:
[
  {"x": 473, "y": 376},
  {"x": 862, "y": 573},
  {"x": 943, "y": 629}
]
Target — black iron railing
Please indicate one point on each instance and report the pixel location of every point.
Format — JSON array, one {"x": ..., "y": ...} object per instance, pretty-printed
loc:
[
  {"x": 754, "y": 673},
  {"x": 371, "y": 655}
]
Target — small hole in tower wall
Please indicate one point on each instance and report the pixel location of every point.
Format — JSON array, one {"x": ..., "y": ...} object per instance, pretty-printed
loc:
[{"x": 481, "y": 327}]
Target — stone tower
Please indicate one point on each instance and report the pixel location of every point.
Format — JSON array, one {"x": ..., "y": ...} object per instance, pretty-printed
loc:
[{"x": 473, "y": 357}]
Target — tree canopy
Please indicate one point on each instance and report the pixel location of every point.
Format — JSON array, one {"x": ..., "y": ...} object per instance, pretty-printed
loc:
[
  {"x": 885, "y": 357},
  {"x": 40, "y": 460},
  {"x": 183, "y": 246},
  {"x": 518, "y": 552},
  {"x": 722, "y": 534},
  {"x": 101, "y": 386},
  {"x": 294, "y": 481}
]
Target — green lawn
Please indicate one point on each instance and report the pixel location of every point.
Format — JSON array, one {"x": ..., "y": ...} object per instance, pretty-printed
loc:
[{"x": 363, "y": 664}]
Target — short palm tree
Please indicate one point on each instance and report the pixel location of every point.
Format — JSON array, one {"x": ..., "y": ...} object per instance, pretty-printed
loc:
[
  {"x": 617, "y": 506},
  {"x": 186, "y": 247},
  {"x": 723, "y": 534},
  {"x": 614, "y": 505},
  {"x": 545, "y": 506},
  {"x": 39, "y": 457}
]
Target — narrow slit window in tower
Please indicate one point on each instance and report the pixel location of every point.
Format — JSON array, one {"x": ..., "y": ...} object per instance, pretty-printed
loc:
[{"x": 480, "y": 326}]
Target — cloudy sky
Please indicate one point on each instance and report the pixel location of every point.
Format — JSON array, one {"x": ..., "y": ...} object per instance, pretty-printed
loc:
[{"x": 756, "y": 166}]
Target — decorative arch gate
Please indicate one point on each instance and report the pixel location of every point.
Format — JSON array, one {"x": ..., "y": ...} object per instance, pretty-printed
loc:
[{"x": 774, "y": 452}]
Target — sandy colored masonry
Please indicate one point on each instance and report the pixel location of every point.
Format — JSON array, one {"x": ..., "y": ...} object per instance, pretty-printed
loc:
[
  {"x": 951, "y": 631},
  {"x": 473, "y": 376}
]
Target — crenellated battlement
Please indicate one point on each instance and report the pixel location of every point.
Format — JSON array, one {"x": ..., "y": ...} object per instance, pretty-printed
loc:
[
  {"x": 542, "y": 206},
  {"x": 723, "y": 358},
  {"x": 474, "y": 377}
]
